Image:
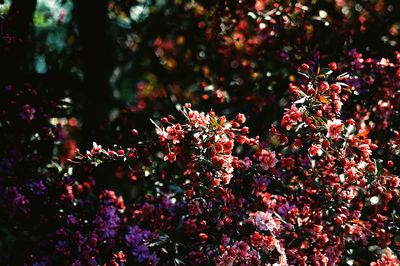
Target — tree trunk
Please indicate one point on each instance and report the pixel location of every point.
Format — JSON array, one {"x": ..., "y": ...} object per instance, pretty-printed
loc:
[
  {"x": 15, "y": 40},
  {"x": 93, "y": 28}
]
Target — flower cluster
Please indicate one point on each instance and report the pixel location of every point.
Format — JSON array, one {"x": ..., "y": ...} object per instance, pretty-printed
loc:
[
  {"x": 213, "y": 139},
  {"x": 338, "y": 185}
]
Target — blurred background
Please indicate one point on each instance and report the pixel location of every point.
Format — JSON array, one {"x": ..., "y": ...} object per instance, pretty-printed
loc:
[{"x": 117, "y": 63}]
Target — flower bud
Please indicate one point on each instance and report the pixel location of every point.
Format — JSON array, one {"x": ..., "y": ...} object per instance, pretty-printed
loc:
[
  {"x": 332, "y": 66},
  {"x": 304, "y": 67},
  {"x": 203, "y": 236}
]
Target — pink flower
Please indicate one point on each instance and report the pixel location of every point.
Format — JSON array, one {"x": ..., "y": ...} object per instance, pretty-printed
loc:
[
  {"x": 198, "y": 119},
  {"x": 315, "y": 149},
  {"x": 365, "y": 150},
  {"x": 335, "y": 128},
  {"x": 175, "y": 133},
  {"x": 241, "y": 118},
  {"x": 394, "y": 182},
  {"x": 267, "y": 159},
  {"x": 96, "y": 148},
  {"x": 264, "y": 221},
  {"x": 291, "y": 117},
  {"x": 387, "y": 258},
  {"x": 170, "y": 157},
  {"x": 352, "y": 174}
]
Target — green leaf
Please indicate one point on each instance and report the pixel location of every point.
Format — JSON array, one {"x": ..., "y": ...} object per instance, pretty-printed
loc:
[
  {"x": 326, "y": 71},
  {"x": 305, "y": 74}
]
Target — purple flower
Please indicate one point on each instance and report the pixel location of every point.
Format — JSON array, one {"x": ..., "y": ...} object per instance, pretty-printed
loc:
[
  {"x": 107, "y": 222},
  {"x": 284, "y": 209},
  {"x": 38, "y": 188},
  {"x": 135, "y": 239},
  {"x": 28, "y": 113},
  {"x": 246, "y": 163},
  {"x": 16, "y": 200},
  {"x": 71, "y": 219}
]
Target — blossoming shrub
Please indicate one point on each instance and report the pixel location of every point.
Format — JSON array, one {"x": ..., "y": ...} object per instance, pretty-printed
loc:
[
  {"x": 311, "y": 192},
  {"x": 320, "y": 187},
  {"x": 340, "y": 184}
]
